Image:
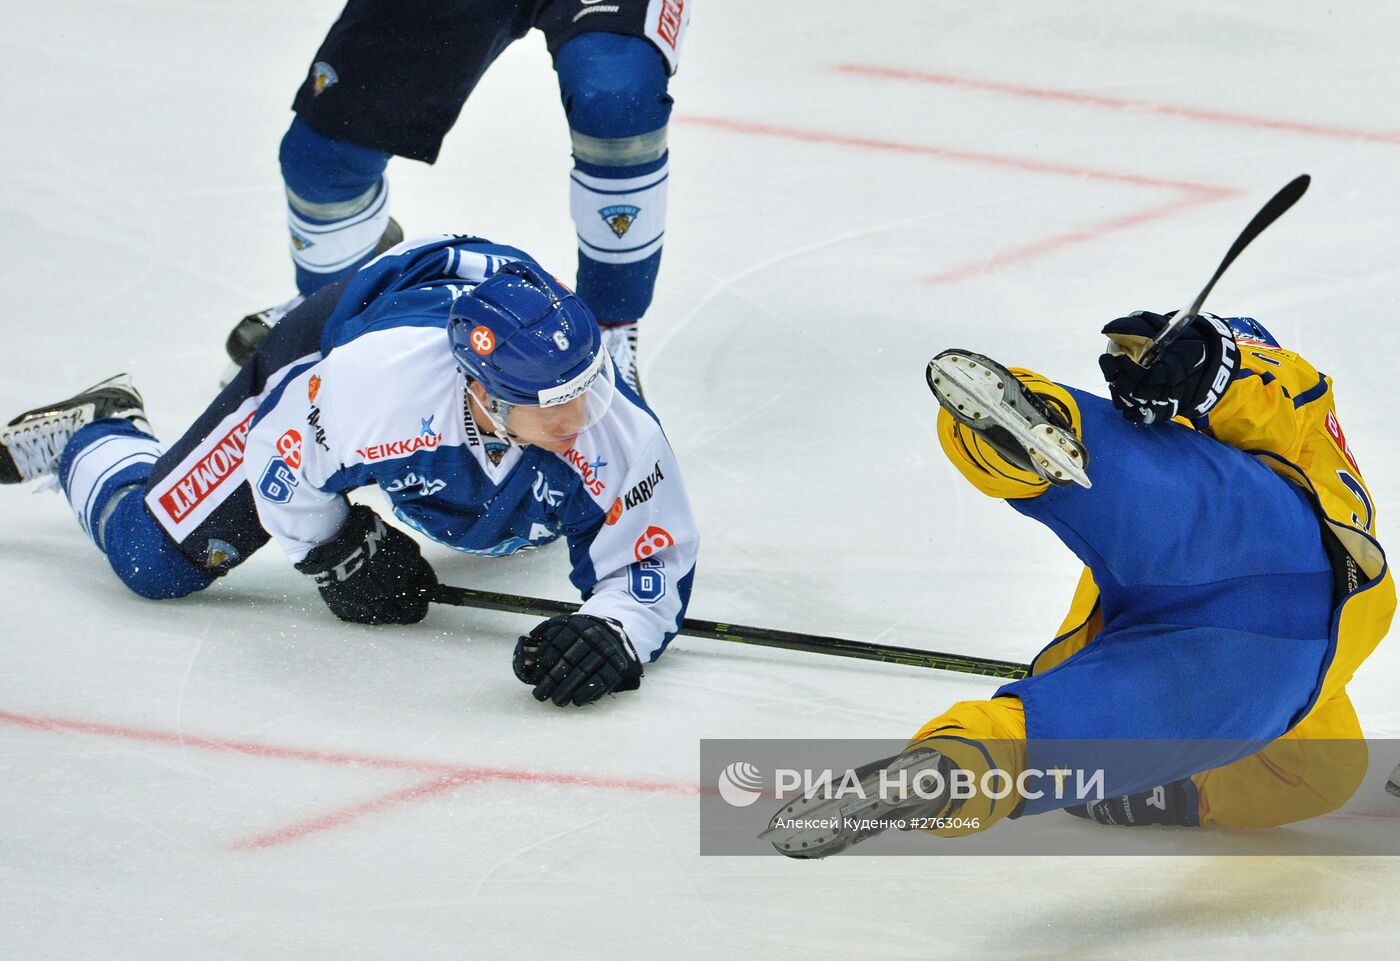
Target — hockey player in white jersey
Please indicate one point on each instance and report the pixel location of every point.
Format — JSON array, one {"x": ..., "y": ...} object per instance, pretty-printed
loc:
[{"x": 465, "y": 382}]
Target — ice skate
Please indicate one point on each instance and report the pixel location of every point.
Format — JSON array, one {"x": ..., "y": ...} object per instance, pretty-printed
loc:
[
  {"x": 1019, "y": 424},
  {"x": 249, "y": 332},
  {"x": 245, "y": 337},
  {"x": 1393, "y": 785},
  {"x": 30, "y": 444},
  {"x": 621, "y": 342},
  {"x": 839, "y": 816}
]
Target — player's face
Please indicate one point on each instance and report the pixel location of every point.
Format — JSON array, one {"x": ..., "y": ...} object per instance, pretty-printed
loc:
[{"x": 552, "y": 428}]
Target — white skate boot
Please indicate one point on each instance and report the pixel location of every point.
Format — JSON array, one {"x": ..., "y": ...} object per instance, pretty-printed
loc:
[{"x": 1022, "y": 427}]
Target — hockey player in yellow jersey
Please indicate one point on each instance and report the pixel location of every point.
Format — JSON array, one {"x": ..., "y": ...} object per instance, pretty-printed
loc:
[{"x": 1232, "y": 585}]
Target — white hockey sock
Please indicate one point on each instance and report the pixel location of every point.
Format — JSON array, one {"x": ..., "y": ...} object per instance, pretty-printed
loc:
[
  {"x": 94, "y": 475},
  {"x": 619, "y": 221},
  {"x": 330, "y": 237}
]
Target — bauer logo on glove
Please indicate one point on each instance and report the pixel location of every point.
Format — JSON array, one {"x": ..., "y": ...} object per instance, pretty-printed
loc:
[{"x": 1188, "y": 378}]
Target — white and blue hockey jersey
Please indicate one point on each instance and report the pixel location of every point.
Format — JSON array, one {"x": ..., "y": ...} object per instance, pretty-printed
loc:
[{"x": 385, "y": 403}]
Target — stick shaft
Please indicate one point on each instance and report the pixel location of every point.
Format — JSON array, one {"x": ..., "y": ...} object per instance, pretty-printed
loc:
[
  {"x": 759, "y": 636},
  {"x": 1275, "y": 208}
]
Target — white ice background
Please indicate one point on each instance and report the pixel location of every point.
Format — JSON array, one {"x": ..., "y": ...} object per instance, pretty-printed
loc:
[{"x": 240, "y": 776}]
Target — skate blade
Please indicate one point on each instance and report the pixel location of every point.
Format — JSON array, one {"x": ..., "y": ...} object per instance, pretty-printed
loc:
[
  {"x": 823, "y": 830},
  {"x": 976, "y": 394},
  {"x": 818, "y": 827}
]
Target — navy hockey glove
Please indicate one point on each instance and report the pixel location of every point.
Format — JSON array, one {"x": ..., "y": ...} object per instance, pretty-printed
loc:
[
  {"x": 1188, "y": 378},
  {"x": 371, "y": 573},
  {"x": 576, "y": 659},
  {"x": 1174, "y": 803}
]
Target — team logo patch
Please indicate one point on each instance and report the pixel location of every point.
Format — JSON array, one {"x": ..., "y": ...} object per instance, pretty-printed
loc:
[
  {"x": 323, "y": 75},
  {"x": 614, "y": 512},
  {"x": 496, "y": 452},
  {"x": 220, "y": 555},
  {"x": 483, "y": 341},
  {"x": 619, "y": 217},
  {"x": 313, "y": 387},
  {"x": 300, "y": 242},
  {"x": 654, "y": 540}
]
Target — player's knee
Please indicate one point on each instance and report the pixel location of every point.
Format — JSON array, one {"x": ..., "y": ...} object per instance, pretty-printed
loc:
[
  {"x": 614, "y": 93},
  {"x": 1332, "y": 770},
  {"x": 145, "y": 559},
  {"x": 323, "y": 172},
  {"x": 998, "y": 719},
  {"x": 1336, "y": 789}
]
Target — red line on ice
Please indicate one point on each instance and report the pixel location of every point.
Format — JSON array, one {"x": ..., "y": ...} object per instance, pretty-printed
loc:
[
  {"x": 446, "y": 776},
  {"x": 1123, "y": 104},
  {"x": 1048, "y": 245},
  {"x": 438, "y": 784},
  {"x": 1026, "y": 164},
  {"x": 1191, "y": 193}
]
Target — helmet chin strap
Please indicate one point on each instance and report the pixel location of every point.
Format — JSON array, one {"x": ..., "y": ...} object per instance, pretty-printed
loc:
[
  {"x": 495, "y": 409},
  {"x": 498, "y": 411}
]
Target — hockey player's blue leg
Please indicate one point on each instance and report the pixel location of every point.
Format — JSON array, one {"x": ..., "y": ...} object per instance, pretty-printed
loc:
[
  {"x": 1172, "y": 511},
  {"x": 1155, "y": 703},
  {"x": 614, "y": 92},
  {"x": 1216, "y": 595},
  {"x": 103, "y": 471},
  {"x": 337, "y": 204}
]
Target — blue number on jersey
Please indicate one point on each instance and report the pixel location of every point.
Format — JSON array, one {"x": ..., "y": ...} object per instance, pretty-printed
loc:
[
  {"x": 278, "y": 482},
  {"x": 646, "y": 581}
]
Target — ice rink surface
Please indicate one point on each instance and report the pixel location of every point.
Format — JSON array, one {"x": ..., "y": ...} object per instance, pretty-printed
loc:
[{"x": 854, "y": 187}]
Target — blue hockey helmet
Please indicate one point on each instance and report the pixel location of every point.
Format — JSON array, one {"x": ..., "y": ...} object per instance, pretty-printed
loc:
[
  {"x": 532, "y": 345},
  {"x": 1247, "y": 330}
]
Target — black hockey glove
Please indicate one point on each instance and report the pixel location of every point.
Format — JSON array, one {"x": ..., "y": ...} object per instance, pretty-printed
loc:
[
  {"x": 576, "y": 659},
  {"x": 371, "y": 573},
  {"x": 1173, "y": 803},
  {"x": 1188, "y": 379}
]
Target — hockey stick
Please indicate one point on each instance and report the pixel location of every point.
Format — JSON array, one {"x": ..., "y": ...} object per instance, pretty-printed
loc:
[
  {"x": 760, "y": 636},
  {"x": 1276, "y": 207}
]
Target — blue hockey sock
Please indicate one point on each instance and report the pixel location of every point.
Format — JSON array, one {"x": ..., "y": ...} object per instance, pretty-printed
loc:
[
  {"x": 103, "y": 471},
  {"x": 614, "y": 93},
  {"x": 337, "y": 204}
]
